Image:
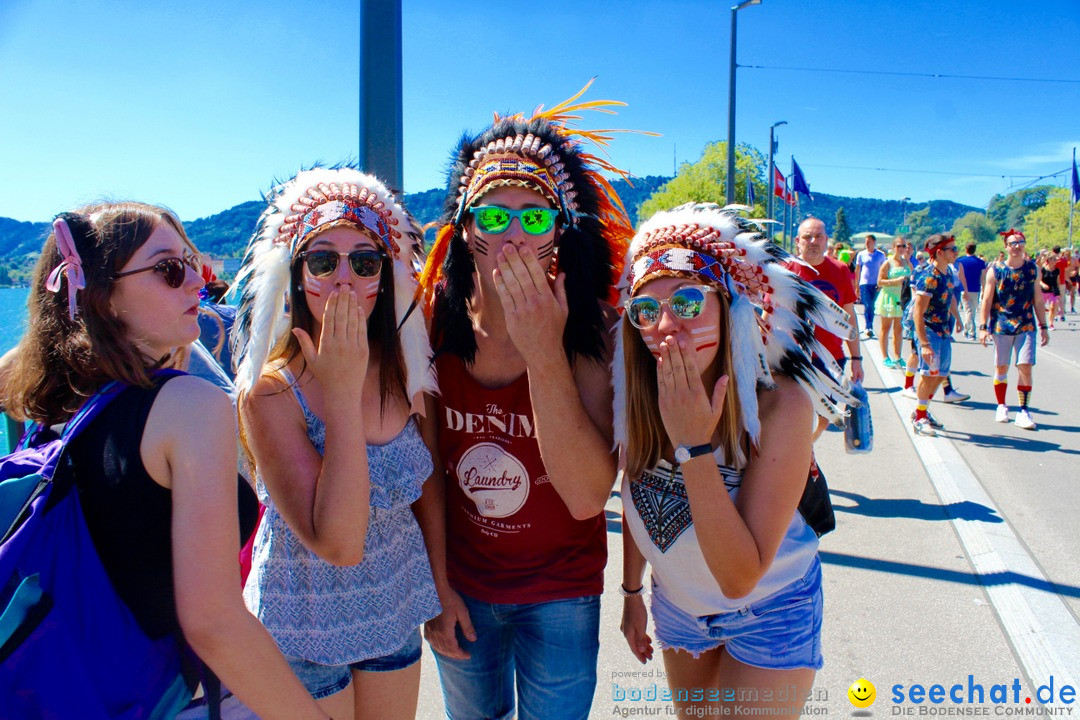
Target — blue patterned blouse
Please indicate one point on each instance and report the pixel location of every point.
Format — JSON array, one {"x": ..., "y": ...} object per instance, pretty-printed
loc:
[{"x": 337, "y": 615}]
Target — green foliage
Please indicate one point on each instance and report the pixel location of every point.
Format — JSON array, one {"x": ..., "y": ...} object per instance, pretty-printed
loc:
[
  {"x": 841, "y": 232},
  {"x": 1049, "y": 225},
  {"x": 974, "y": 227},
  {"x": 705, "y": 180},
  {"x": 1009, "y": 211}
]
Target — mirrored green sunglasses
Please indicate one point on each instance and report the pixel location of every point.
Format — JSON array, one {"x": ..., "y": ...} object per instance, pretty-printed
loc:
[{"x": 495, "y": 219}]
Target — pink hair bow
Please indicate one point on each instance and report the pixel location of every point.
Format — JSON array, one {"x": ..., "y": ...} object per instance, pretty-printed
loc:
[{"x": 70, "y": 265}]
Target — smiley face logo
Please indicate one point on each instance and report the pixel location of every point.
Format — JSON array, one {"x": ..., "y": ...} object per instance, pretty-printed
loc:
[{"x": 862, "y": 693}]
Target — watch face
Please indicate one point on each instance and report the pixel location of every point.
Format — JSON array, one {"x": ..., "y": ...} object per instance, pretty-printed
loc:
[{"x": 682, "y": 454}]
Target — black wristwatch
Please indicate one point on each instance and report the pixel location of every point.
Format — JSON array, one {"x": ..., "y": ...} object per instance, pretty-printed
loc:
[
  {"x": 686, "y": 452},
  {"x": 982, "y": 327}
]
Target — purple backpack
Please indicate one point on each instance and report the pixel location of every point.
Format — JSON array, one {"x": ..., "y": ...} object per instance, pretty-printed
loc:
[{"x": 69, "y": 646}]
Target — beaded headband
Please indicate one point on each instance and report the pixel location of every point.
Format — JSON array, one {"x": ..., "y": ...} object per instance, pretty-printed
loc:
[
  {"x": 518, "y": 161},
  {"x": 325, "y": 203},
  {"x": 312, "y": 200},
  {"x": 772, "y": 311},
  {"x": 546, "y": 153}
]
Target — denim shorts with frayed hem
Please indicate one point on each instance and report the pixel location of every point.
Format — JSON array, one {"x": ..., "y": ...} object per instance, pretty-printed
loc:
[
  {"x": 778, "y": 632},
  {"x": 322, "y": 681}
]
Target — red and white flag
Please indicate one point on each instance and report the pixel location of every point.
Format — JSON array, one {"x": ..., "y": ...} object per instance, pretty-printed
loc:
[{"x": 780, "y": 187}]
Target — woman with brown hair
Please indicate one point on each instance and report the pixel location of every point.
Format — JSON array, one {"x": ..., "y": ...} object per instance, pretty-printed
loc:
[
  {"x": 331, "y": 371},
  {"x": 163, "y": 516},
  {"x": 711, "y": 396}
]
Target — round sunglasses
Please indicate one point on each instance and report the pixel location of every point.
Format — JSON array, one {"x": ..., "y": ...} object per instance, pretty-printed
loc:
[
  {"x": 364, "y": 263},
  {"x": 495, "y": 219},
  {"x": 686, "y": 303},
  {"x": 173, "y": 269}
]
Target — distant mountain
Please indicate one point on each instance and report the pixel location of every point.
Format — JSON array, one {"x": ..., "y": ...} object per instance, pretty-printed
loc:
[{"x": 226, "y": 233}]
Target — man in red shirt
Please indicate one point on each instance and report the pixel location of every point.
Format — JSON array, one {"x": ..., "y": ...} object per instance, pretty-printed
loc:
[{"x": 834, "y": 279}]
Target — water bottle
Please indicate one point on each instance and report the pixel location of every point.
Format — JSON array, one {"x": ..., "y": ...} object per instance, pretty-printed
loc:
[{"x": 859, "y": 433}]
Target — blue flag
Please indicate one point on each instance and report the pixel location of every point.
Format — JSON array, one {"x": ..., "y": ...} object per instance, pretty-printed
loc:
[
  {"x": 749, "y": 190},
  {"x": 1075, "y": 182},
  {"x": 798, "y": 181}
]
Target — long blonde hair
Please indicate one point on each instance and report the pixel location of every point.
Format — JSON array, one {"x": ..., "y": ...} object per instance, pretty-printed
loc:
[{"x": 646, "y": 437}]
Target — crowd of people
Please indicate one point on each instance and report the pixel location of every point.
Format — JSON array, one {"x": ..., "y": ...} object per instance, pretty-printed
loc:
[
  {"x": 429, "y": 453},
  {"x": 1011, "y": 302}
]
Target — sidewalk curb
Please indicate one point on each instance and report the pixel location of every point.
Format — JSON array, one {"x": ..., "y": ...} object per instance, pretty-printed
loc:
[{"x": 1039, "y": 626}]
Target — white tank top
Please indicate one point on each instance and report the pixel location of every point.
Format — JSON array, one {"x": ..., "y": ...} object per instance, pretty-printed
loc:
[{"x": 657, "y": 513}]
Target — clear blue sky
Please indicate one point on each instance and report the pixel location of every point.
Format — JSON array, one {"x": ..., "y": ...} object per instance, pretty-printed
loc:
[{"x": 200, "y": 104}]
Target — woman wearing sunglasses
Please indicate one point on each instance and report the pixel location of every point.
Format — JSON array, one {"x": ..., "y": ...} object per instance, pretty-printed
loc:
[
  {"x": 888, "y": 306},
  {"x": 331, "y": 370},
  {"x": 115, "y": 295},
  {"x": 519, "y": 276},
  {"x": 710, "y": 396}
]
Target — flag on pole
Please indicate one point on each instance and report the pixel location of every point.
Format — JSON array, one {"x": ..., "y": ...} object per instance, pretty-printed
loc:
[
  {"x": 798, "y": 182},
  {"x": 749, "y": 190},
  {"x": 780, "y": 186},
  {"x": 1075, "y": 182}
]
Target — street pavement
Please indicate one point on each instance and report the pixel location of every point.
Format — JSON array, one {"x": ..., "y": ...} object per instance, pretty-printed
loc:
[{"x": 956, "y": 559}]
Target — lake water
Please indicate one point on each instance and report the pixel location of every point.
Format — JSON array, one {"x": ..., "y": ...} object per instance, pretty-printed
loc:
[{"x": 12, "y": 326}]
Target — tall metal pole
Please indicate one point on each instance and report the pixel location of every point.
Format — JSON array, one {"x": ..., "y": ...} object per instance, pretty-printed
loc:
[
  {"x": 772, "y": 172},
  {"x": 380, "y": 91},
  {"x": 1072, "y": 204},
  {"x": 731, "y": 102}
]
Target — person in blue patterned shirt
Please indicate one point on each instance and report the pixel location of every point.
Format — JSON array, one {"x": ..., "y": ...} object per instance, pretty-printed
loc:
[
  {"x": 1011, "y": 300},
  {"x": 935, "y": 295}
]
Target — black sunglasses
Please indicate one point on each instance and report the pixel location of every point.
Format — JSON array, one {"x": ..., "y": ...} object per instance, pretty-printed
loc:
[
  {"x": 364, "y": 263},
  {"x": 173, "y": 269}
]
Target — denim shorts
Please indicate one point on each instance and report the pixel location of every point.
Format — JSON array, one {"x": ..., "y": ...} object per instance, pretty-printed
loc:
[
  {"x": 778, "y": 632},
  {"x": 942, "y": 347},
  {"x": 546, "y": 651},
  {"x": 325, "y": 680},
  {"x": 1021, "y": 346}
]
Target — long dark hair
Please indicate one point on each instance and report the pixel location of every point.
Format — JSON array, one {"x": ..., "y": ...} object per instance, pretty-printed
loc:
[
  {"x": 381, "y": 330},
  {"x": 60, "y": 361},
  {"x": 583, "y": 254}
]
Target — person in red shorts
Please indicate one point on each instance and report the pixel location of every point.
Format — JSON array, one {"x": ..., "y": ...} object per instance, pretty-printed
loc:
[{"x": 834, "y": 279}]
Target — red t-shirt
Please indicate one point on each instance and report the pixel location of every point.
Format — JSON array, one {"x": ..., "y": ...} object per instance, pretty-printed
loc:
[
  {"x": 1062, "y": 266},
  {"x": 509, "y": 536},
  {"x": 834, "y": 279}
]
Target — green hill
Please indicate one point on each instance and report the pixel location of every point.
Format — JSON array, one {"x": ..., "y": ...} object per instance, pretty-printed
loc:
[{"x": 225, "y": 234}]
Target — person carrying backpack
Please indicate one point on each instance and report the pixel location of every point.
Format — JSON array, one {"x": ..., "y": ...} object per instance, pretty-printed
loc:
[{"x": 115, "y": 293}]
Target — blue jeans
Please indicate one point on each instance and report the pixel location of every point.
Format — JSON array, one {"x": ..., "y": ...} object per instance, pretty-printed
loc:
[
  {"x": 550, "y": 647},
  {"x": 867, "y": 296}
]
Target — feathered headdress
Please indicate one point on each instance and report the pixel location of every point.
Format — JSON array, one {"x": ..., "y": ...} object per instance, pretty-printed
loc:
[
  {"x": 546, "y": 153},
  {"x": 773, "y": 312},
  {"x": 295, "y": 209}
]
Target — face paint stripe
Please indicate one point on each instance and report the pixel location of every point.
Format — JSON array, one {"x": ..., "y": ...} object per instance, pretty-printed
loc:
[{"x": 699, "y": 348}]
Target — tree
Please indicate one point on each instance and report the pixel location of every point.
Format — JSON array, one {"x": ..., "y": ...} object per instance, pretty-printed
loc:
[
  {"x": 974, "y": 227},
  {"x": 841, "y": 232},
  {"x": 1049, "y": 225},
  {"x": 1009, "y": 211},
  {"x": 704, "y": 180},
  {"x": 921, "y": 226}
]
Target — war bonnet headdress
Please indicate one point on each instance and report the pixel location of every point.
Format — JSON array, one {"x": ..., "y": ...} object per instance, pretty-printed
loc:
[
  {"x": 546, "y": 153},
  {"x": 773, "y": 312},
  {"x": 312, "y": 200}
]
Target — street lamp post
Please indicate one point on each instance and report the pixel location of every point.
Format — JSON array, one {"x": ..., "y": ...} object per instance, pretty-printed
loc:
[
  {"x": 772, "y": 173},
  {"x": 731, "y": 103},
  {"x": 903, "y": 212}
]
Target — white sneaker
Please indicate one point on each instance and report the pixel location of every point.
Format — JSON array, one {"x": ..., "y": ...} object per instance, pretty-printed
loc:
[
  {"x": 1002, "y": 415},
  {"x": 909, "y": 392},
  {"x": 954, "y": 397},
  {"x": 923, "y": 427},
  {"x": 1024, "y": 421}
]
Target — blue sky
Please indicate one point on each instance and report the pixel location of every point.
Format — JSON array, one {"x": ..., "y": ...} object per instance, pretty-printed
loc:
[{"x": 200, "y": 104}]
